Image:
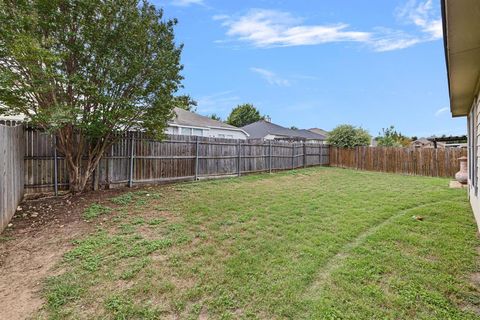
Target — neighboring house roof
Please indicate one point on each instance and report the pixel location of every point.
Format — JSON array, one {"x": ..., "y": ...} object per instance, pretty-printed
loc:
[
  {"x": 262, "y": 128},
  {"x": 191, "y": 119},
  {"x": 461, "y": 29},
  {"x": 427, "y": 143},
  {"x": 422, "y": 141},
  {"x": 319, "y": 131},
  {"x": 310, "y": 135}
]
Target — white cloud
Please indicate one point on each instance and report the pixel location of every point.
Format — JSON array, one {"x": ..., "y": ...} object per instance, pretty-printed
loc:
[
  {"x": 265, "y": 28},
  {"x": 271, "y": 77},
  {"x": 422, "y": 15},
  {"x": 389, "y": 40},
  {"x": 186, "y": 3},
  {"x": 268, "y": 28},
  {"x": 441, "y": 111}
]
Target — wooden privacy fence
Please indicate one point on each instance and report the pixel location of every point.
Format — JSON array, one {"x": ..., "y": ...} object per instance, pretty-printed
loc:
[
  {"x": 137, "y": 159},
  {"x": 11, "y": 171},
  {"x": 412, "y": 161}
]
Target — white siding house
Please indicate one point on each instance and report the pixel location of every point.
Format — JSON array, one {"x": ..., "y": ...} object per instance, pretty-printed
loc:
[
  {"x": 187, "y": 123},
  {"x": 11, "y": 120},
  {"x": 192, "y": 124},
  {"x": 461, "y": 26}
]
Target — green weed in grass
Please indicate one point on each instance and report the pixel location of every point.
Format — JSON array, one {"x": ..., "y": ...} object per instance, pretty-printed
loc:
[
  {"x": 135, "y": 268},
  {"x": 123, "y": 307},
  {"x": 61, "y": 290},
  {"x": 95, "y": 210},
  {"x": 123, "y": 200},
  {"x": 156, "y": 221}
]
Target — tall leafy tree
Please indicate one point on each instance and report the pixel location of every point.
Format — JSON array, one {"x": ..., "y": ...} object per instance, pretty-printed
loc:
[
  {"x": 392, "y": 138},
  {"x": 86, "y": 70},
  {"x": 244, "y": 114},
  {"x": 348, "y": 136},
  {"x": 214, "y": 116},
  {"x": 185, "y": 102}
]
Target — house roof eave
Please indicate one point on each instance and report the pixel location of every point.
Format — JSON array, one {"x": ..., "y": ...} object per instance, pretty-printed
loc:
[{"x": 461, "y": 29}]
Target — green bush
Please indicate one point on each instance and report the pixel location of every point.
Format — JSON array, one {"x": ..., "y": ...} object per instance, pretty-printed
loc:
[{"x": 348, "y": 136}]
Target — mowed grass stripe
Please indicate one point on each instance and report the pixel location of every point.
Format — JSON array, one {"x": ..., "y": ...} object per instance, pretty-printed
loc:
[{"x": 338, "y": 259}]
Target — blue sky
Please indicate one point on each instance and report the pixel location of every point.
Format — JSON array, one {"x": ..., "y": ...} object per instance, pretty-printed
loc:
[{"x": 318, "y": 63}]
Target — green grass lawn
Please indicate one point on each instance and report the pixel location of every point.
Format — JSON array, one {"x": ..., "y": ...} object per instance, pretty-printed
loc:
[{"x": 320, "y": 243}]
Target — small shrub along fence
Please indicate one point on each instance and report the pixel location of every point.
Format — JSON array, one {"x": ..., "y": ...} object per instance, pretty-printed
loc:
[
  {"x": 410, "y": 161},
  {"x": 11, "y": 171},
  {"x": 136, "y": 159}
]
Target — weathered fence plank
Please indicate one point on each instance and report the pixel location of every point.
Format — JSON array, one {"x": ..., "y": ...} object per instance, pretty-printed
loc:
[
  {"x": 190, "y": 158},
  {"x": 419, "y": 161},
  {"x": 11, "y": 171},
  {"x": 174, "y": 158}
]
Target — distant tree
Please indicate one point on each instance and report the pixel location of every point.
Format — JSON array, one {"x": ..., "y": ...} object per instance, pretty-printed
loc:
[
  {"x": 215, "y": 117},
  {"x": 293, "y": 128},
  {"x": 348, "y": 136},
  {"x": 86, "y": 70},
  {"x": 185, "y": 102},
  {"x": 244, "y": 114},
  {"x": 392, "y": 138},
  {"x": 413, "y": 138}
]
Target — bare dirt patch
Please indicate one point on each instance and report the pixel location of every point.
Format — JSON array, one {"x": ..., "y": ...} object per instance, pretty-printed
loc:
[{"x": 42, "y": 231}]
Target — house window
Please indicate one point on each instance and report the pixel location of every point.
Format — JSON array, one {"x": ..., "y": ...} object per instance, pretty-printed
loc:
[
  {"x": 186, "y": 131},
  {"x": 221, "y": 135},
  {"x": 197, "y": 132}
]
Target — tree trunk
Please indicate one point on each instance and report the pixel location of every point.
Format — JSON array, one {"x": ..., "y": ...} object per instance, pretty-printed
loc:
[
  {"x": 76, "y": 179},
  {"x": 81, "y": 157},
  {"x": 79, "y": 173}
]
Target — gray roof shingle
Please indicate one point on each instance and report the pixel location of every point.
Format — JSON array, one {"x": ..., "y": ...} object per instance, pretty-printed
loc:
[
  {"x": 187, "y": 118},
  {"x": 262, "y": 128}
]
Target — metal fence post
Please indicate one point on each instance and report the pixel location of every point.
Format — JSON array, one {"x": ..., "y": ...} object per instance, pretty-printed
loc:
[
  {"x": 320, "y": 154},
  {"x": 270, "y": 156},
  {"x": 304, "y": 155},
  {"x": 55, "y": 164},
  {"x": 132, "y": 155},
  {"x": 239, "y": 158},
  {"x": 293, "y": 155},
  {"x": 196, "y": 159}
]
